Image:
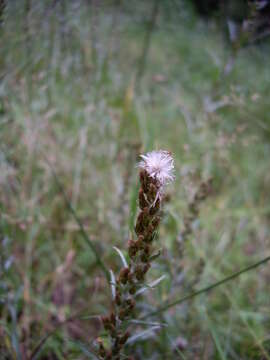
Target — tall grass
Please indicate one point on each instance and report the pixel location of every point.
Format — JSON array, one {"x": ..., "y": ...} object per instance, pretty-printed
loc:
[{"x": 68, "y": 74}]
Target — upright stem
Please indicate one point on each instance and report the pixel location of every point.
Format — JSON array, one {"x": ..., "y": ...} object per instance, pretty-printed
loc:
[
  {"x": 131, "y": 278},
  {"x": 147, "y": 42},
  {"x": 156, "y": 171},
  {"x": 27, "y": 10},
  {"x": 2, "y": 9}
]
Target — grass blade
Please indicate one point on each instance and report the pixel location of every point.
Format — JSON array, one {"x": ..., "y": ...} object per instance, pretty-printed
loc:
[
  {"x": 113, "y": 284},
  {"x": 143, "y": 334},
  {"x": 207, "y": 288},
  {"x": 121, "y": 256},
  {"x": 14, "y": 333},
  {"x": 152, "y": 285},
  {"x": 85, "y": 236}
]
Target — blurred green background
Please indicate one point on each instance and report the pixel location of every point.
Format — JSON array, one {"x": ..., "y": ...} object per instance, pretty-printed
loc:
[{"x": 86, "y": 86}]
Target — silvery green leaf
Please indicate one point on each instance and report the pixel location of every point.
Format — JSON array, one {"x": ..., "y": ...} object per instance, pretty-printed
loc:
[
  {"x": 8, "y": 263},
  {"x": 233, "y": 30},
  {"x": 151, "y": 285},
  {"x": 113, "y": 283},
  {"x": 121, "y": 256},
  {"x": 146, "y": 334},
  {"x": 148, "y": 323}
]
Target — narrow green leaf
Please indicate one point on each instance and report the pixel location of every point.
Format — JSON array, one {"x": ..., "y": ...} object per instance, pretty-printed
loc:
[
  {"x": 208, "y": 288},
  {"x": 121, "y": 256}
]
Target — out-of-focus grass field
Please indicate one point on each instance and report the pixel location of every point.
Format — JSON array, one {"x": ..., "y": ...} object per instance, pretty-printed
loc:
[{"x": 78, "y": 96}]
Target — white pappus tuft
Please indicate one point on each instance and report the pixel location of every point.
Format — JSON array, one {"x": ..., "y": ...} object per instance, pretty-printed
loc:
[{"x": 159, "y": 165}]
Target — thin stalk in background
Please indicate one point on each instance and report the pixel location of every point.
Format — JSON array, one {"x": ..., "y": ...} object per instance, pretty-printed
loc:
[
  {"x": 207, "y": 288},
  {"x": 147, "y": 43},
  {"x": 85, "y": 236}
]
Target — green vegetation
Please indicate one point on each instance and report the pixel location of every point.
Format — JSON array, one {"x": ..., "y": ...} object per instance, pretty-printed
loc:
[{"x": 85, "y": 88}]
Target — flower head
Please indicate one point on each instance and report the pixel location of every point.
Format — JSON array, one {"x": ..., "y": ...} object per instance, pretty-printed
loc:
[{"x": 159, "y": 165}]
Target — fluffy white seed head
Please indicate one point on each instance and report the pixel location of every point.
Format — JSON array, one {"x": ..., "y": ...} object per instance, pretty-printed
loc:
[{"x": 159, "y": 165}]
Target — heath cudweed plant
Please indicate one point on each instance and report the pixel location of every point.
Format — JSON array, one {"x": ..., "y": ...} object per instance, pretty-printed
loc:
[{"x": 156, "y": 171}]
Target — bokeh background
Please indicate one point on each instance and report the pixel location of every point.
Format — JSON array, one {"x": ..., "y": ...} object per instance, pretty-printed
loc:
[{"x": 86, "y": 86}]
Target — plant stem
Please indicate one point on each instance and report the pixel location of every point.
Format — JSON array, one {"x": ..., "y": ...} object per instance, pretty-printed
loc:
[
  {"x": 85, "y": 236},
  {"x": 207, "y": 288}
]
